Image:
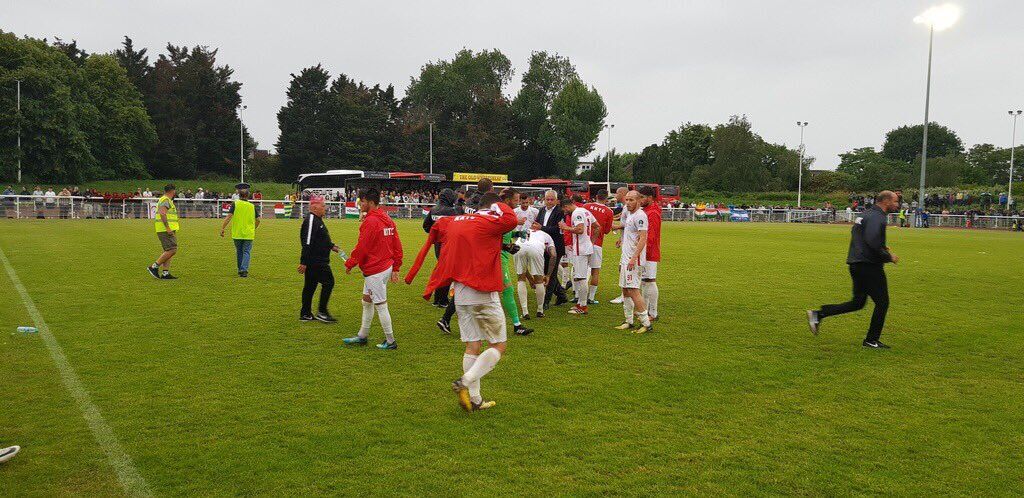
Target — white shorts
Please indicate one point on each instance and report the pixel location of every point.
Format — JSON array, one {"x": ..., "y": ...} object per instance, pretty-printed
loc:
[
  {"x": 581, "y": 266},
  {"x": 376, "y": 286},
  {"x": 650, "y": 270},
  {"x": 481, "y": 322},
  {"x": 597, "y": 258},
  {"x": 629, "y": 279},
  {"x": 529, "y": 262}
]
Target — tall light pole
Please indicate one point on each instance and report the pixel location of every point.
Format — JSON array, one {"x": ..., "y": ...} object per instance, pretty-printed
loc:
[
  {"x": 608, "y": 159},
  {"x": 1013, "y": 145},
  {"x": 431, "y": 123},
  {"x": 19, "y": 130},
  {"x": 800, "y": 174},
  {"x": 241, "y": 145},
  {"x": 937, "y": 18}
]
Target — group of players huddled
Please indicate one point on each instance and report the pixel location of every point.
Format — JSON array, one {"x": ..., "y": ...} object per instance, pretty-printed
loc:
[{"x": 494, "y": 246}]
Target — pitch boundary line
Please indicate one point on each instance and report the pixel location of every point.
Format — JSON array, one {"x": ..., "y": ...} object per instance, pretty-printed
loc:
[{"x": 127, "y": 474}]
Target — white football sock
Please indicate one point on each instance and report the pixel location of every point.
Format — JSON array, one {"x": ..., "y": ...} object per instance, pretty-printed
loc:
[
  {"x": 524, "y": 294},
  {"x": 474, "y": 389},
  {"x": 593, "y": 292},
  {"x": 385, "y": 321},
  {"x": 484, "y": 364},
  {"x": 652, "y": 299},
  {"x": 644, "y": 319},
  {"x": 580, "y": 288},
  {"x": 627, "y": 309},
  {"x": 541, "y": 290},
  {"x": 364, "y": 330}
]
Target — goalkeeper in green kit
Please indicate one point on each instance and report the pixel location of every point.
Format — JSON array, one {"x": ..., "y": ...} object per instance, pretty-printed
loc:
[{"x": 508, "y": 248}]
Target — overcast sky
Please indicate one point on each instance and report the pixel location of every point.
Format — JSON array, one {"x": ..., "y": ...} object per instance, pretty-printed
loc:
[{"x": 852, "y": 68}]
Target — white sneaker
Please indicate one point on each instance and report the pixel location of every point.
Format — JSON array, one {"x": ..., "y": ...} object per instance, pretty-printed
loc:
[
  {"x": 8, "y": 453},
  {"x": 617, "y": 300}
]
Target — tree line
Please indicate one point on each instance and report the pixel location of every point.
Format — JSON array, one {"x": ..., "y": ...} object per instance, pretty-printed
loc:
[{"x": 124, "y": 115}]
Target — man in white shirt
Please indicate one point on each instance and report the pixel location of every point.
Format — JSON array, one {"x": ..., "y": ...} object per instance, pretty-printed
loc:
[
  {"x": 621, "y": 215},
  {"x": 525, "y": 213},
  {"x": 584, "y": 224},
  {"x": 634, "y": 246},
  {"x": 529, "y": 262}
]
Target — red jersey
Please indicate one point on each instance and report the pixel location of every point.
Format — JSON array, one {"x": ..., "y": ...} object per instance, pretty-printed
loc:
[
  {"x": 471, "y": 253},
  {"x": 378, "y": 247},
  {"x": 566, "y": 235},
  {"x": 604, "y": 217},
  {"x": 653, "y": 211}
]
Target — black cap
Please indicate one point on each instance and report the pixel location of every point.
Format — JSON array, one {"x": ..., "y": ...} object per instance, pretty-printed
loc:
[{"x": 242, "y": 186}]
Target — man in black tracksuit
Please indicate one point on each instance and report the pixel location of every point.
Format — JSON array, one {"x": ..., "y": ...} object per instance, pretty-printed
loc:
[
  {"x": 445, "y": 207},
  {"x": 867, "y": 257},
  {"x": 315, "y": 262}
]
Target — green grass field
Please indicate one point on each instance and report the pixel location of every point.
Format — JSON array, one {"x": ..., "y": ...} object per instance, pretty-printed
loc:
[{"x": 213, "y": 387}]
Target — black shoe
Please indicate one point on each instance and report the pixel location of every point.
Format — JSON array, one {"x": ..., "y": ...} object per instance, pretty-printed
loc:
[
  {"x": 243, "y": 274},
  {"x": 540, "y": 314},
  {"x": 168, "y": 276},
  {"x": 306, "y": 317},
  {"x": 325, "y": 317},
  {"x": 874, "y": 344},
  {"x": 153, "y": 271},
  {"x": 444, "y": 326},
  {"x": 526, "y": 317},
  {"x": 521, "y": 330},
  {"x": 813, "y": 321},
  {"x": 559, "y": 301}
]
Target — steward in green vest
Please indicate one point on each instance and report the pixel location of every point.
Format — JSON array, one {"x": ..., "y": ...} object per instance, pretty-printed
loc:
[
  {"x": 244, "y": 218},
  {"x": 166, "y": 224}
]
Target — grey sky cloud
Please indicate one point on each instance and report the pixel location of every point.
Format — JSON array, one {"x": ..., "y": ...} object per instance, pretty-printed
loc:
[{"x": 853, "y": 69}]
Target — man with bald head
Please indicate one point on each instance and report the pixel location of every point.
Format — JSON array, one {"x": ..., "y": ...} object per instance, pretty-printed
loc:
[{"x": 867, "y": 257}]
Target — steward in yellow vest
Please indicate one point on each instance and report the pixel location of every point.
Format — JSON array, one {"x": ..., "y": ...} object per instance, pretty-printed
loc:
[
  {"x": 166, "y": 224},
  {"x": 244, "y": 217}
]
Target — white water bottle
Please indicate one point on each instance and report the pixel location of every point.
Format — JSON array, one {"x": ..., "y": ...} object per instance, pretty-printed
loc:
[{"x": 27, "y": 330}]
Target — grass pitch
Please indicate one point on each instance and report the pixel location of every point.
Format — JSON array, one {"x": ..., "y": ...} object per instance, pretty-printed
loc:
[{"x": 213, "y": 387}]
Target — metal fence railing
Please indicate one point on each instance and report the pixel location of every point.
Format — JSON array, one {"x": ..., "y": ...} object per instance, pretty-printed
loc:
[{"x": 65, "y": 207}]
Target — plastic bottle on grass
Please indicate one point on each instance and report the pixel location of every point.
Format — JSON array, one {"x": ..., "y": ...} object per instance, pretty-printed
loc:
[{"x": 27, "y": 330}]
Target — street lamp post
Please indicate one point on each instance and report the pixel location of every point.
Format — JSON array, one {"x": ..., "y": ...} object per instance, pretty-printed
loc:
[
  {"x": 937, "y": 18},
  {"x": 608, "y": 159},
  {"x": 800, "y": 174},
  {"x": 1013, "y": 146},
  {"x": 431, "y": 147},
  {"x": 19, "y": 129},
  {"x": 241, "y": 145}
]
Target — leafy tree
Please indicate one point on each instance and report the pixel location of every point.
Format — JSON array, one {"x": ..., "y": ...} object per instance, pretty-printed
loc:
[
  {"x": 79, "y": 121},
  {"x": 577, "y": 117},
  {"x": 304, "y": 123},
  {"x": 990, "y": 165},
  {"x": 738, "y": 162},
  {"x": 472, "y": 119},
  {"x": 873, "y": 171},
  {"x": 829, "y": 181},
  {"x": 945, "y": 171},
  {"x": 123, "y": 132},
  {"x": 904, "y": 143},
  {"x": 543, "y": 81}
]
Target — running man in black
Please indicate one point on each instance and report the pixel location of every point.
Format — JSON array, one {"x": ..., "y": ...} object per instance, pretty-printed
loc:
[
  {"x": 315, "y": 262},
  {"x": 867, "y": 257}
]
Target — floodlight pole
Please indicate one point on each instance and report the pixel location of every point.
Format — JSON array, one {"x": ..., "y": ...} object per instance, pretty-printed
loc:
[
  {"x": 1013, "y": 146},
  {"x": 800, "y": 174},
  {"x": 927, "y": 98},
  {"x": 19, "y": 129},
  {"x": 241, "y": 146},
  {"x": 431, "y": 124},
  {"x": 608, "y": 159}
]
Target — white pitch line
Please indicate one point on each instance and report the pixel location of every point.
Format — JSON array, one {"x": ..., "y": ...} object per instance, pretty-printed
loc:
[{"x": 129, "y": 477}]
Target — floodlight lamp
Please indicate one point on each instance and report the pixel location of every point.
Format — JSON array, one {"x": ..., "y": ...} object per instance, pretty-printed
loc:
[{"x": 939, "y": 17}]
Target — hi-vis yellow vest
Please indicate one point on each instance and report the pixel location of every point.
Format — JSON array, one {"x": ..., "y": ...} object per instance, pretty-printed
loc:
[
  {"x": 172, "y": 215},
  {"x": 243, "y": 221}
]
